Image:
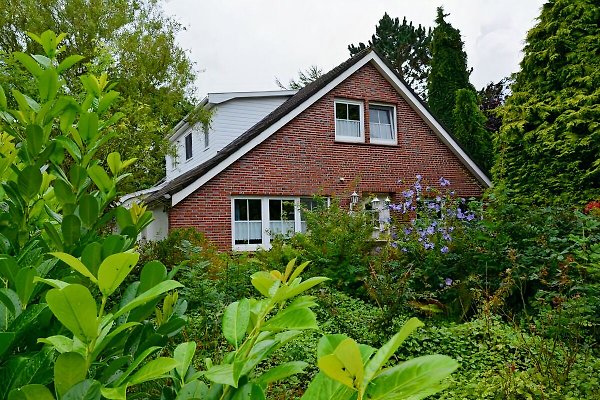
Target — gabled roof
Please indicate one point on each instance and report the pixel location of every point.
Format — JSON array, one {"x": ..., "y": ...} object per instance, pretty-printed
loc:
[{"x": 183, "y": 185}]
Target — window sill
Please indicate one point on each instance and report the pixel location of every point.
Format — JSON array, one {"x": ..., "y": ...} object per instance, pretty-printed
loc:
[
  {"x": 349, "y": 140},
  {"x": 384, "y": 142}
]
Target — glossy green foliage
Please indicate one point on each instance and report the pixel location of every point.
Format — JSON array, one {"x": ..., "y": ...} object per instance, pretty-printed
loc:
[
  {"x": 350, "y": 370},
  {"x": 59, "y": 311},
  {"x": 136, "y": 41},
  {"x": 548, "y": 147}
]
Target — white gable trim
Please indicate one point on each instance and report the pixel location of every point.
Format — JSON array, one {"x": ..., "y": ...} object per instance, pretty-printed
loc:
[
  {"x": 390, "y": 76},
  {"x": 430, "y": 120}
]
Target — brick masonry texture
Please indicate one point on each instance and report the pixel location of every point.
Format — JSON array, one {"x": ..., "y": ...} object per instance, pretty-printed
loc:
[{"x": 303, "y": 158}]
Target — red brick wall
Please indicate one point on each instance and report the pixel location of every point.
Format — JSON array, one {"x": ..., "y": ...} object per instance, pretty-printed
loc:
[{"x": 302, "y": 159}]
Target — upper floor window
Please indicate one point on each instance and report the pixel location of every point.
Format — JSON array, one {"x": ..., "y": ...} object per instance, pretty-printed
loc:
[
  {"x": 188, "y": 147},
  {"x": 382, "y": 124},
  {"x": 205, "y": 128},
  {"x": 349, "y": 126}
]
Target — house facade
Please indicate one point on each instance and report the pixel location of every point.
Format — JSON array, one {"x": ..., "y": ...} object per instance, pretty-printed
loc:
[{"x": 357, "y": 129}]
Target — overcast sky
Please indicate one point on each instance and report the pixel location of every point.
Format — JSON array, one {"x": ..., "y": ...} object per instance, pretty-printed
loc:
[{"x": 243, "y": 45}]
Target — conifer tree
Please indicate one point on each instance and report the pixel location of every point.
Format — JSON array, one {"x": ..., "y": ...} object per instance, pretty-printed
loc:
[
  {"x": 549, "y": 144},
  {"x": 405, "y": 46},
  {"x": 448, "y": 69},
  {"x": 469, "y": 128}
]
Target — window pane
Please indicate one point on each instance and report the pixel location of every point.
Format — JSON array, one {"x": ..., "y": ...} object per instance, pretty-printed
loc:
[
  {"x": 341, "y": 111},
  {"x": 347, "y": 128},
  {"x": 241, "y": 233},
  {"x": 275, "y": 210},
  {"x": 254, "y": 212},
  {"x": 241, "y": 209},
  {"x": 288, "y": 210},
  {"x": 353, "y": 112},
  {"x": 188, "y": 146},
  {"x": 255, "y": 232}
]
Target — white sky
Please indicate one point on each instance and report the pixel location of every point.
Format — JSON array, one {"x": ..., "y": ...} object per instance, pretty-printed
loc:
[{"x": 243, "y": 45}]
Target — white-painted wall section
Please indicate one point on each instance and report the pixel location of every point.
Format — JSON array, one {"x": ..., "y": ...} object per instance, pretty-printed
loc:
[
  {"x": 159, "y": 228},
  {"x": 230, "y": 119}
]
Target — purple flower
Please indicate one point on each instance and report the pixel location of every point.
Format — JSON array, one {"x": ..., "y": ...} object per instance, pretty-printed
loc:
[
  {"x": 419, "y": 177},
  {"x": 438, "y": 198},
  {"x": 448, "y": 281},
  {"x": 444, "y": 249},
  {"x": 404, "y": 250},
  {"x": 407, "y": 231},
  {"x": 428, "y": 245},
  {"x": 459, "y": 214},
  {"x": 470, "y": 217},
  {"x": 444, "y": 181},
  {"x": 430, "y": 230},
  {"x": 408, "y": 193},
  {"x": 394, "y": 245}
]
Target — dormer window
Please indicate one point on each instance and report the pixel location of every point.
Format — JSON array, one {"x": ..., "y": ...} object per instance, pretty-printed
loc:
[
  {"x": 188, "y": 147},
  {"x": 382, "y": 125},
  {"x": 349, "y": 126}
]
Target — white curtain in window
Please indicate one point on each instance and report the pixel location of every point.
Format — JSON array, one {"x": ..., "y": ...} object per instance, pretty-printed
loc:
[{"x": 347, "y": 128}]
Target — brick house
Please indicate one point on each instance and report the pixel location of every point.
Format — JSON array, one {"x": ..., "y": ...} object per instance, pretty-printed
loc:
[{"x": 359, "y": 128}]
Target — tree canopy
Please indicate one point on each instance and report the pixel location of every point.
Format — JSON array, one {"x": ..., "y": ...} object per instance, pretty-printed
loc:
[
  {"x": 131, "y": 39},
  {"x": 304, "y": 78},
  {"x": 405, "y": 46},
  {"x": 549, "y": 144},
  {"x": 448, "y": 69}
]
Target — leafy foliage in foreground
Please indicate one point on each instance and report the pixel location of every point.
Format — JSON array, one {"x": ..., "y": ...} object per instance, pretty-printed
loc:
[{"x": 68, "y": 325}]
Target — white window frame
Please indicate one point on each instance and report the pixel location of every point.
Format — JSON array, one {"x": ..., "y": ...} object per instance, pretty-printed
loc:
[
  {"x": 350, "y": 139},
  {"x": 265, "y": 220},
  {"x": 394, "y": 140}
]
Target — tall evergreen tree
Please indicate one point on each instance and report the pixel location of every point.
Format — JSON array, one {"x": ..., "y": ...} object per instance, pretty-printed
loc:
[
  {"x": 405, "y": 46},
  {"x": 491, "y": 98},
  {"x": 549, "y": 144},
  {"x": 304, "y": 78},
  {"x": 448, "y": 69},
  {"x": 135, "y": 42},
  {"x": 469, "y": 128}
]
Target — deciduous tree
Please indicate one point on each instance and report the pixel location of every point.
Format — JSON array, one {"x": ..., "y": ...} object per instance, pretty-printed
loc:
[{"x": 131, "y": 39}]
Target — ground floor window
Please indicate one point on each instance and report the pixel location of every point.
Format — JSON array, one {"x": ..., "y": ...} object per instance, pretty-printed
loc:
[{"x": 256, "y": 220}]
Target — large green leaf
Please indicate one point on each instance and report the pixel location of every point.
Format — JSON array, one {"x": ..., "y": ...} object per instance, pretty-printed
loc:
[
  {"x": 235, "y": 321},
  {"x": 223, "y": 374},
  {"x": 48, "y": 84},
  {"x": 76, "y": 309},
  {"x": 281, "y": 372},
  {"x": 88, "y": 210},
  {"x": 414, "y": 379},
  {"x": 91, "y": 257},
  {"x": 31, "y": 392},
  {"x": 8, "y": 268},
  {"x": 297, "y": 318},
  {"x": 195, "y": 389},
  {"x": 263, "y": 281},
  {"x": 61, "y": 343},
  {"x": 76, "y": 264},
  {"x": 249, "y": 391},
  {"x": 35, "y": 139},
  {"x": 153, "y": 370},
  {"x": 68, "y": 62},
  {"x": 29, "y": 182},
  {"x": 3, "y": 104},
  {"x": 28, "y": 62},
  {"x": 71, "y": 228},
  {"x": 88, "y": 389},
  {"x": 69, "y": 369},
  {"x": 64, "y": 192},
  {"x": 323, "y": 387},
  {"x": 387, "y": 350},
  {"x": 344, "y": 365},
  {"x": 25, "y": 284},
  {"x": 114, "y": 269},
  {"x": 259, "y": 352},
  {"x": 183, "y": 354},
  {"x": 304, "y": 286},
  {"x": 21, "y": 371},
  {"x": 147, "y": 296},
  {"x": 100, "y": 178},
  {"x": 136, "y": 363},
  {"x": 152, "y": 274}
]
